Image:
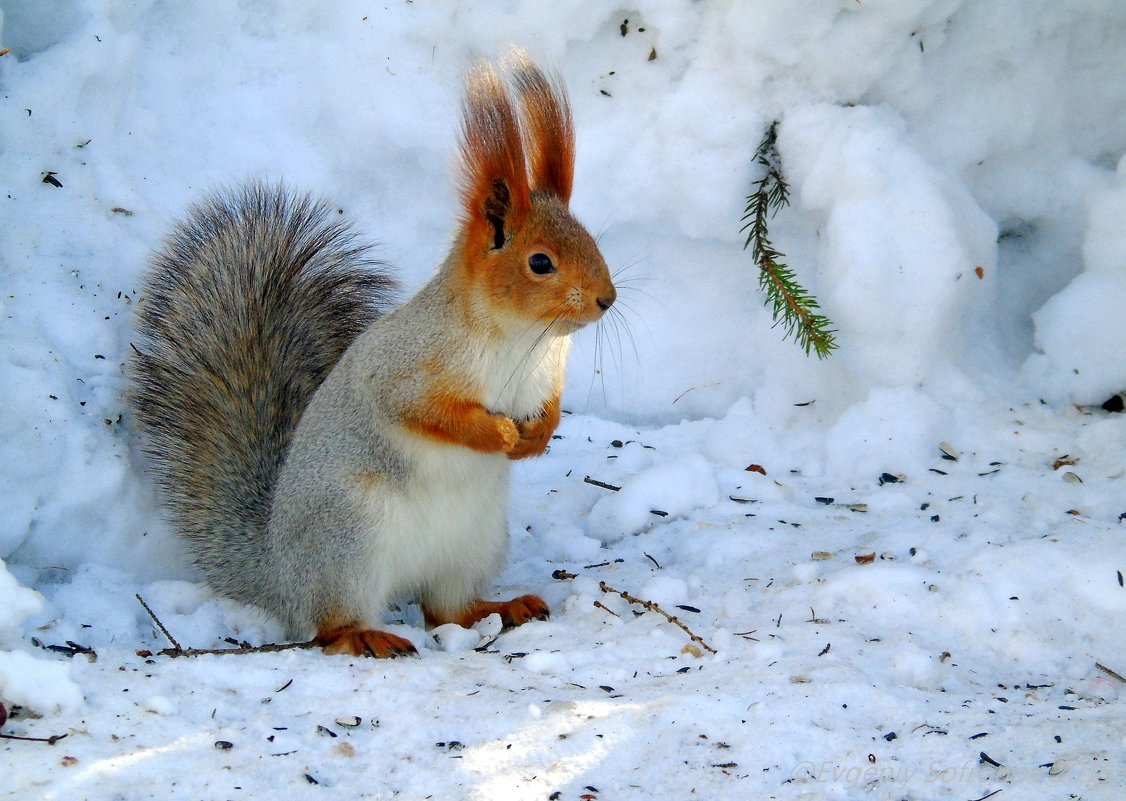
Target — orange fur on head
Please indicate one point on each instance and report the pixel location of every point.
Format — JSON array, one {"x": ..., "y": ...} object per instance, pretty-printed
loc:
[
  {"x": 495, "y": 189},
  {"x": 549, "y": 132}
]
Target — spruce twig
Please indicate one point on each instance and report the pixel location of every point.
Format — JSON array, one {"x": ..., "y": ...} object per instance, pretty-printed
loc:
[{"x": 792, "y": 306}]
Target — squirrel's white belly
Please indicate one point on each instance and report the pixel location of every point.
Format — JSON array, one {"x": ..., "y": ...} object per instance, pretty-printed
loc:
[{"x": 443, "y": 535}]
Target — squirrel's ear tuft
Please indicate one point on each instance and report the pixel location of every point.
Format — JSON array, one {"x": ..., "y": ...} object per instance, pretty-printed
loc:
[
  {"x": 549, "y": 131},
  {"x": 495, "y": 191}
]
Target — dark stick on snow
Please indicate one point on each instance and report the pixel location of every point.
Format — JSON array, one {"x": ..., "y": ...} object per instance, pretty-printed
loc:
[
  {"x": 54, "y": 738},
  {"x": 984, "y": 757},
  {"x": 602, "y": 585},
  {"x": 1110, "y": 672},
  {"x": 989, "y": 795},
  {"x": 164, "y": 631},
  {"x": 602, "y": 484},
  {"x": 179, "y": 650},
  {"x": 605, "y": 608},
  {"x": 268, "y": 648}
]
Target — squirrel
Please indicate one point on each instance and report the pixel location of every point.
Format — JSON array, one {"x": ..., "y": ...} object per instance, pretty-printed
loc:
[{"x": 324, "y": 454}]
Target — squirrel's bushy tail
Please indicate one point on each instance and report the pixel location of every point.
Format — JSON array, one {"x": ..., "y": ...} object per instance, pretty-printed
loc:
[{"x": 251, "y": 301}]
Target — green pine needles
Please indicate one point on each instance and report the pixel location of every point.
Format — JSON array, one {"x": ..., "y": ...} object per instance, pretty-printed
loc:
[{"x": 793, "y": 307}]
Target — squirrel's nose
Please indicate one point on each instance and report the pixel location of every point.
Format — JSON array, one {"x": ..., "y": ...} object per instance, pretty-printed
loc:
[{"x": 607, "y": 300}]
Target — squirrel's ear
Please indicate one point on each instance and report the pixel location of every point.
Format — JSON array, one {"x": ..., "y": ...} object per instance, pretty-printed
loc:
[
  {"x": 550, "y": 133},
  {"x": 495, "y": 192}
]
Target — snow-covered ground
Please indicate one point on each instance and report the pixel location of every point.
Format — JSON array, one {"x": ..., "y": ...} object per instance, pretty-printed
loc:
[{"x": 916, "y": 581}]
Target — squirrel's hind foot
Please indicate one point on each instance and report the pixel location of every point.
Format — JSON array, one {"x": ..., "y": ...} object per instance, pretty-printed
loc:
[
  {"x": 512, "y": 613},
  {"x": 355, "y": 641}
]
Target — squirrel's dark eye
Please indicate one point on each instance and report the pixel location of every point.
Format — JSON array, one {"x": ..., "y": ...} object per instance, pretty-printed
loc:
[{"x": 541, "y": 264}]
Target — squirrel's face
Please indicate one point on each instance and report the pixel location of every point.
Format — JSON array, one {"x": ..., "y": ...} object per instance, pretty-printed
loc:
[
  {"x": 548, "y": 271},
  {"x": 527, "y": 258}
]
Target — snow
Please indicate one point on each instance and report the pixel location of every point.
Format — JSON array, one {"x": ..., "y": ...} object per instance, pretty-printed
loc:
[
  {"x": 671, "y": 488},
  {"x": 1078, "y": 328},
  {"x": 36, "y": 683},
  {"x": 958, "y": 186}
]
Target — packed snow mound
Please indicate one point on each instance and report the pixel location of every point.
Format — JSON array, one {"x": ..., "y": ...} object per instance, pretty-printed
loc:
[
  {"x": 18, "y": 603},
  {"x": 672, "y": 488},
  {"x": 1082, "y": 329},
  {"x": 40, "y": 684},
  {"x": 907, "y": 255}
]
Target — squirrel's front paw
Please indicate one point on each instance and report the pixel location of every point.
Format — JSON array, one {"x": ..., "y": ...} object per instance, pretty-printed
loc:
[
  {"x": 534, "y": 436},
  {"x": 508, "y": 434},
  {"x": 520, "y": 610}
]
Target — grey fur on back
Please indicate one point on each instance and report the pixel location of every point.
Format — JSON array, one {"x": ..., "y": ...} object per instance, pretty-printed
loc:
[{"x": 250, "y": 303}]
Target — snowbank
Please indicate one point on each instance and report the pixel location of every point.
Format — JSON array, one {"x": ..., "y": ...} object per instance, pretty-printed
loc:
[{"x": 912, "y": 133}]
